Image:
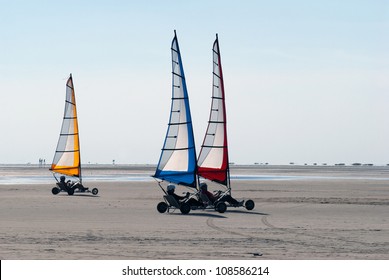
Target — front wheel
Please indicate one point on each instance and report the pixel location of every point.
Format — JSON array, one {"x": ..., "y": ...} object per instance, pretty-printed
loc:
[
  {"x": 185, "y": 208},
  {"x": 249, "y": 204},
  {"x": 221, "y": 207},
  {"x": 55, "y": 190},
  {"x": 95, "y": 191},
  {"x": 162, "y": 207},
  {"x": 70, "y": 191}
]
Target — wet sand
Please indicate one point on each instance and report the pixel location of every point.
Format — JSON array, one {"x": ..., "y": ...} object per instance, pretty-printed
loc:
[{"x": 317, "y": 212}]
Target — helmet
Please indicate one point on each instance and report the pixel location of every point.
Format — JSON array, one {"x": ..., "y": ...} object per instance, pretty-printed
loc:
[
  {"x": 203, "y": 186},
  {"x": 170, "y": 187},
  {"x": 62, "y": 178}
]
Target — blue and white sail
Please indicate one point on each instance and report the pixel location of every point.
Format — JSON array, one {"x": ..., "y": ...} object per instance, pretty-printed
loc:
[{"x": 178, "y": 163}]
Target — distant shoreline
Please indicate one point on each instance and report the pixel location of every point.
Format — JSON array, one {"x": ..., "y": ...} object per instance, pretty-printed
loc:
[{"x": 34, "y": 174}]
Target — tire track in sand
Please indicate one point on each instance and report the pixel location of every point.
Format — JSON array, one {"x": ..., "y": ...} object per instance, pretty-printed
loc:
[
  {"x": 211, "y": 224},
  {"x": 266, "y": 223},
  {"x": 301, "y": 231}
]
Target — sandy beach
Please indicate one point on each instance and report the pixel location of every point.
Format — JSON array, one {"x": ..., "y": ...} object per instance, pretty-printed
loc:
[{"x": 302, "y": 212}]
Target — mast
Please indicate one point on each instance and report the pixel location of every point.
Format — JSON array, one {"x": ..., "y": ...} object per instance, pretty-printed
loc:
[
  {"x": 78, "y": 133},
  {"x": 178, "y": 163},
  {"x": 213, "y": 158}
]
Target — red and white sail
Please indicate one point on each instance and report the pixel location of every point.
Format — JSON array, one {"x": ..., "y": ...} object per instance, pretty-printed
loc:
[{"x": 213, "y": 157}]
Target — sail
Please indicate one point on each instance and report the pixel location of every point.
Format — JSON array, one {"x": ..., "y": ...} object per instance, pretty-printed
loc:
[
  {"x": 213, "y": 157},
  {"x": 178, "y": 163},
  {"x": 67, "y": 155}
]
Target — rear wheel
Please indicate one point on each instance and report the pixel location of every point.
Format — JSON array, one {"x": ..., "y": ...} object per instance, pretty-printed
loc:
[
  {"x": 162, "y": 207},
  {"x": 221, "y": 207},
  {"x": 185, "y": 208},
  {"x": 55, "y": 190},
  {"x": 95, "y": 191},
  {"x": 249, "y": 204}
]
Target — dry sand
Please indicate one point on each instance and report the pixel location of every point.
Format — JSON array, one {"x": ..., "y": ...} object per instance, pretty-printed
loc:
[{"x": 313, "y": 213}]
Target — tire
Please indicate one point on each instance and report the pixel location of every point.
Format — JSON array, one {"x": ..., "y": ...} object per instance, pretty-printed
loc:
[
  {"x": 70, "y": 191},
  {"x": 185, "y": 208},
  {"x": 162, "y": 207},
  {"x": 95, "y": 191},
  {"x": 55, "y": 190},
  {"x": 221, "y": 207},
  {"x": 249, "y": 204}
]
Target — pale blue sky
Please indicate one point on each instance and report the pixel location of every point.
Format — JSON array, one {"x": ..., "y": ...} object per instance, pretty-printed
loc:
[{"x": 306, "y": 81}]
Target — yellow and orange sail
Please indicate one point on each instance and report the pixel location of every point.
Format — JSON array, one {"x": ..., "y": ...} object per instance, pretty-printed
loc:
[{"x": 67, "y": 155}]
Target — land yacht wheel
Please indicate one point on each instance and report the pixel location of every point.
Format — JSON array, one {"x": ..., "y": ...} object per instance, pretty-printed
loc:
[
  {"x": 221, "y": 207},
  {"x": 185, "y": 208},
  {"x": 55, "y": 190},
  {"x": 249, "y": 204},
  {"x": 162, "y": 207},
  {"x": 95, "y": 191}
]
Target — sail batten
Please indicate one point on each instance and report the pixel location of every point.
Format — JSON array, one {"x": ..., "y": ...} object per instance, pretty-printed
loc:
[
  {"x": 182, "y": 123},
  {"x": 213, "y": 157},
  {"x": 67, "y": 154},
  {"x": 217, "y": 75},
  {"x": 178, "y": 162}
]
